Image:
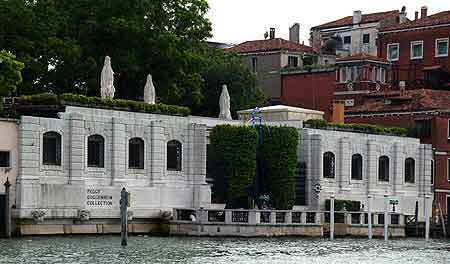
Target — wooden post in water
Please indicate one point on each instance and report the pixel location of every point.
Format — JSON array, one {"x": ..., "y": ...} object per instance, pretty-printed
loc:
[
  {"x": 332, "y": 217},
  {"x": 124, "y": 216},
  {"x": 427, "y": 218},
  {"x": 7, "y": 210},
  {"x": 369, "y": 215},
  {"x": 386, "y": 217}
]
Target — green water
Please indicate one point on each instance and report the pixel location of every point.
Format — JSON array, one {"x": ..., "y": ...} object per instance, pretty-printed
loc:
[{"x": 107, "y": 249}]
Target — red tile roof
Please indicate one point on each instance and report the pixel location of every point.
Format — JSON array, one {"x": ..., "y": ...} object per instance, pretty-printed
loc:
[
  {"x": 366, "y": 18},
  {"x": 433, "y": 20},
  {"x": 361, "y": 57},
  {"x": 269, "y": 45},
  {"x": 412, "y": 100}
]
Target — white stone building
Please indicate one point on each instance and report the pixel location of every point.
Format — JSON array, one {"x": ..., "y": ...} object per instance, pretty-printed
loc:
[
  {"x": 71, "y": 169},
  {"x": 352, "y": 166}
]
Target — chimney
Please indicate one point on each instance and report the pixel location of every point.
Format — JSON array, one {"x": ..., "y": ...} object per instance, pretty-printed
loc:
[
  {"x": 272, "y": 33},
  {"x": 357, "y": 17},
  {"x": 294, "y": 33},
  {"x": 424, "y": 11},
  {"x": 416, "y": 15},
  {"x": 337, "y": 116}
]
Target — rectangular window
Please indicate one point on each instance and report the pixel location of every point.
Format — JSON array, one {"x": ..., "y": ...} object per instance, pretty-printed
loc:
[
  {"x": 347, "y": 40},
  {"x": 5, "y": 161},
  {"x": 441, "y": 47},
  {"x": 423, "y": 128},
  {"x": 393, "y": 52},
  {"x": 254, "y": 65},
  {"x": 366, "y": 38},
  {"x": 292, "y": 61},
  {"x": 416, "y": 50},
  {"x": 448, "y": 169}
]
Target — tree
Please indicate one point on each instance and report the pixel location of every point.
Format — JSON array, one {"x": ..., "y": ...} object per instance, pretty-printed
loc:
[
  {"x": 242, "y": 84},
  {"x": 63, "y": 43},
  {"x": 10, "y": 72}
]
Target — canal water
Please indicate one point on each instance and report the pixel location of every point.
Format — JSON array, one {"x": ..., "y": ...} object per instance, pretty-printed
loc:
[{"x": 107, "y": 249}]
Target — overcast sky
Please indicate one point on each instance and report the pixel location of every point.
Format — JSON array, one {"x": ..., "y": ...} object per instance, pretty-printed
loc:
[{"x": 235, "y": 21}]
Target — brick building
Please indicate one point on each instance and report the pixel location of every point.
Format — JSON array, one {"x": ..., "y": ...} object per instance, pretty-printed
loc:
[{"x": 418, "y": 51}]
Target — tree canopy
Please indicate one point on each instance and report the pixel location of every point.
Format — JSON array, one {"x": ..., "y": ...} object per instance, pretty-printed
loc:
[{"x": 10, "y": 72}]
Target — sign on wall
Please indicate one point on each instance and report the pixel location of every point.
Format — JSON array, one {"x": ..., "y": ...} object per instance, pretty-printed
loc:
[{"x": 101, "y": 198}]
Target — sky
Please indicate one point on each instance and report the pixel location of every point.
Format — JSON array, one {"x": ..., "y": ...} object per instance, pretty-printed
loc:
[{"x": 236, "y": 21}]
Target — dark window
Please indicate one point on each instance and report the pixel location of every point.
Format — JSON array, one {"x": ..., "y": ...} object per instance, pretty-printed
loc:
[
  {"x": 328, "y": 165},
  {"x": 410, "y": 168},
  {"x": 255, "y": 65},
  {"x": 383, "y": 169},
  {"x": 432, "y": 171},
  {"x": 136, "y": 153},
  {"x": 366, "y": 38},
  {"x": 347, "y": 39},
  {"x": 448, "y": 169},
  {"x": 381, "y": 219},
  {"x": 51, "y": 150},
  {"x": 423, "y": 128},
  {"x": 357, "y": 167},
  {"x": 5, "y": 161},
  {"x": 96, "y": 151},
  {"x": 174, "y": 155},
  {"x": 293, "y": 61}
]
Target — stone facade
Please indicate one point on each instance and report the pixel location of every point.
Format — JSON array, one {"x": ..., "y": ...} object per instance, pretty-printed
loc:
[{"x": 315, "y": 143}]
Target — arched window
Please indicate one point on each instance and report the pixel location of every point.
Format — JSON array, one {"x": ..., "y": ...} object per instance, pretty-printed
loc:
[
  {"x": 96, "y": 151},
  {"x": 174, "y": 155},
  {"x": 51, "y": 150},
  {"x": 383, "y": 168},
  {"x": 410, "y": 170},
  {"x": 357, "y": 167},
  {"x": 136, "y": 153},
  {"x": 328, "y": 165}
]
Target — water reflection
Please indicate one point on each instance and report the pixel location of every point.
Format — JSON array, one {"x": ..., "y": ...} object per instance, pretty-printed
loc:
[{"x": 107, "y": 249}]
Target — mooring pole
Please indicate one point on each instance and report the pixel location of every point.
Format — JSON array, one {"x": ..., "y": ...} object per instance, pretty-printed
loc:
[
  {"x": 124, "y": 216},
  {"x": 7, "y": 209},
  {"x": 332, "y": 217},
  {"x": 427, "y": 218},
  {"x": 369, "y": 215},
  {"x": 386, "y": 217}
]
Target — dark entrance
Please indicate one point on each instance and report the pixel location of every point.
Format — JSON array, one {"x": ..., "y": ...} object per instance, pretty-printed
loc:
[
  {"x": 300, "y": 184},
  {"x": 2, "y": 215}
]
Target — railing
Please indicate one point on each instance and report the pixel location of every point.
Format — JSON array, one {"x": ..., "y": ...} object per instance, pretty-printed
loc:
[{"x": 282, "y": 217}]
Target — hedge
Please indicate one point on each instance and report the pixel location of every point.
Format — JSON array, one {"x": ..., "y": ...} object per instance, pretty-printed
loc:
[
  {"x": 233, "y": 159},
  {"x": 129, "y": 105},
  {"x": 340, "y": 205},
  {"x": 361, "y": 128},
  {"x": 279, "y": 157}
]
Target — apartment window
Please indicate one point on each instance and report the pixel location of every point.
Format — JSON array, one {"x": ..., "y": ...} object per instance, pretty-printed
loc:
[
  {"x": 357, "y": 167},
  {"x": 442, "y": 47},
  {"x": 393, "y": 52},
  {"x": 366, "y": 38},
  {"x": 293, "y": 61},
  {"x": 96, "y": 151},
  {"x": 51, "y": 149},
  {"x": 328, "y": 165},
  {"x": 410, "y": 167},
  {"x": 383, "y": 169},
  {"x": 174, "y": 155},
  {"x": 254, "y": 65},
  {"x": 448, "y": 169},
  {"x": 416, "y": 50},
  {"x": 5, "y": 160},
  {"x": 136, "y": 153},
  {"x": 347, "y": 40}
]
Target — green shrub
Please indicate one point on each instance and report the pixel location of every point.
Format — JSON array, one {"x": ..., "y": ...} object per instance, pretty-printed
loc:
[
  {"x": 279, "y": 155},
  {"x": 233, "y": 159},
  {"x": 340, "y": 205},
  {"x": 125, "y": 104},
  {"x": 40, "y": 99},
  {"x": 362, "y": 128},
  {"x": 1, "y": 105}
]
